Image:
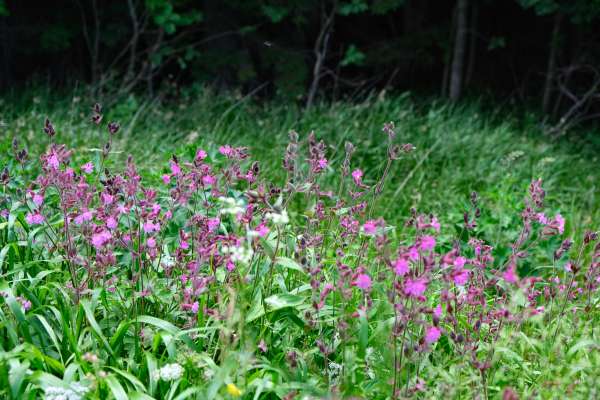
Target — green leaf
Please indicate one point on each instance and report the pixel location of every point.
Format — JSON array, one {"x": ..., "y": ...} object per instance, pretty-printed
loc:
[
  {"x": 115, "y": 387},
  {"x": 289, "y": 264},
  {"x": 353, "y": 7},
  {"x": 583, "y": 344},
  {"x": 96, "y": 328},
  {"x": 282, "y": 300},
  {"x": 353, "y": 56}
]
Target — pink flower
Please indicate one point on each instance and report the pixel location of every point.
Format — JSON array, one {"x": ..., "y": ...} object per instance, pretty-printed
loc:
[
  {"x": 541, "y": 217},
  {"x": 149, "y": 227},
  {"x": 38, "y": 199},
  {"x": 510, "y": 275},
  {"x": 230, "y": 265},
  {"x": 83, "y": 217},
  {"x": 166, "y": 179},
  {"x": 88, "y": 167},
  {"x": 459, "y": 262},
  {"x": 415, "y": 287},
  {"x": 432, "y": 334},
  {"x": 437, "y": 311},
  {"x": 100, "y": 239},
  {"x": 357, "y": 175},
  {"x": 226, "y": 150},
  {"x": 184, "y": 245},
  {"x": 107, "y": 198},
  {"x": 208, "y": 180},
  {"x": 435, "y": 224},
  {"x": 34, "y": 219},
  {"x": 370, "y": 227},
  {"x": 151, "y": 243},
  {"x": 52, "y": 161},
  {"x": 175, "y": 170},
  {"x": 427, "y": 243},
  {"x": 322, "y": 162},
  {"x": 363, "y": 281},
  {"x": 401, "y": 267},
  {"x": 200, "y": 154},
  {"x": 195, "y": 307},
  {"x": 213, "y": 223},
  {"x": 413, "y": 253},
  {"x": 262, "y": 230},
  {"x": 560, "y": 223},
  {"x": 460, "y": 276},
  {"x": 111, "y": 223}
]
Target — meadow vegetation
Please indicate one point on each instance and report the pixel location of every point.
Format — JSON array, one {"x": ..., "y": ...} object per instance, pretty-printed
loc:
[{"x": 213, "y": 247}]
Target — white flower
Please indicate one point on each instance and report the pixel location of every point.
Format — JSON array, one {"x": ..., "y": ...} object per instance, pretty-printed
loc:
[
  {"x": 334, "y": 371},
  {"x": 76, "y": 391},
  {"x": 238, "y": 254},
  {"x": 170, "y": 372},
  {"x": 231, "y": 206},
  {"x": 278, "y": 218}
]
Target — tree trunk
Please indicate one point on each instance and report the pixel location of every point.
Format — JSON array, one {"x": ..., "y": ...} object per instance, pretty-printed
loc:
[
  {"x": 472, "y": 43},
  {"x": 551, "y": 68},
  {"x": 320, "y": 51},
  {"x": 5, "y": 54},
  {"x": 460, "y": 45}
]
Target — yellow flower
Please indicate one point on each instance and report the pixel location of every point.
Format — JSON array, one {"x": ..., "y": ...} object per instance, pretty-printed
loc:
[{"x": 233, "y": 390}]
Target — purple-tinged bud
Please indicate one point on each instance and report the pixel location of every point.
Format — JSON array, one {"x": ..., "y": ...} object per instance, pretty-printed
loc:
[
  {"x": 113, "y": 127},
  {"x": 48, "y": 128}
]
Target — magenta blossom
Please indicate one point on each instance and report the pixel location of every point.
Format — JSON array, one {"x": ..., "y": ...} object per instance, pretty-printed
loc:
[
  {"x": 415, "y": 287},
  {"x": 460, "y": 276},
  {"x": 100, "y": 239},
  {"x": 34, "y": 218},
  {"x": 213, "y": 223},
  {"x": 52, "y": 161},
  {"x": 460, "y": 262},
  {"x": 111, "y": 223},
  {"x": 38, "y": 199},
  {"x": 401, "y": 266},
  {"x": 432, "y": 334},
  {"x": 510, "y": 275},
  {"x": 150, "y": 226},
  {"x": 363, "y": 281},
  {"x": 357, "y": 175},
  {"x": 226, "y": 150},
  {"x": 435, "y": 224},
  {"x": 85, "y": 216},
  {"x": 175, "y": 169},
  {"x": 427, "y": 243},
  {"x": 200, "y": 154},
  {"x": 370, "y": 227},
  {"x": 87, "y": 168},
  {"x": 262, "y": 230},
  {"x": 560, "y": 223},
  {"x": 322, "y": 162},
  {"x": 166, "y": 179},
  {"x": 208, "y": 180}
]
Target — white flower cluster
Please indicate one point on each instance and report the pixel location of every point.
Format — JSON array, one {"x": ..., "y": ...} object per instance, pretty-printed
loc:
[
  {"x": 278, "y": 218},
  {"x": 170, "y": 372},
  {"x": 76, "y": 391},
  {"x": 334, "y": 372},
  {"x": 239, "y": 254},
  {"x": 231, "y": 205}
]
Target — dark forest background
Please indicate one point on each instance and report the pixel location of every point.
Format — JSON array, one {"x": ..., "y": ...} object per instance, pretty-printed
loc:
[{"x": 543, "y": 53}]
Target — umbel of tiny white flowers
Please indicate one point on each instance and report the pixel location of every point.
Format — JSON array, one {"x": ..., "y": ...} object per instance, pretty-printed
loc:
[{"x": 170, "y": 372}]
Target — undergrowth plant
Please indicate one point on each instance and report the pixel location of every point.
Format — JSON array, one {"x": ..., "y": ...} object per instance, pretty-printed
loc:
[{"x": 218, "y": 282}]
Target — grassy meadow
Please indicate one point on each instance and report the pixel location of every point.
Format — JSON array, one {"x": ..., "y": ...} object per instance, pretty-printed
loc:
[{"x": 204, "y": 276}]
